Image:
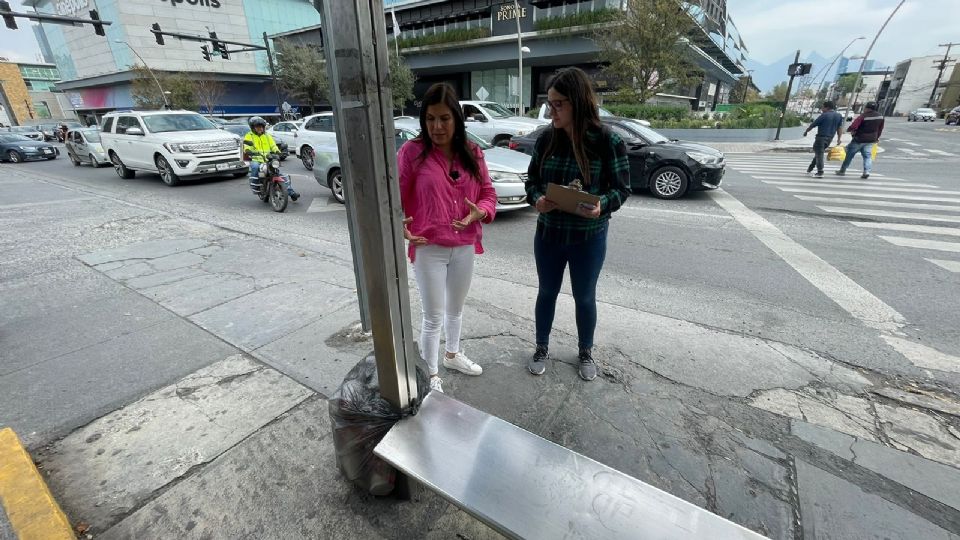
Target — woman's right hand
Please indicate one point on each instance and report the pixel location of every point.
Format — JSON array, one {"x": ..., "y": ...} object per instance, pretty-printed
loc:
[
  {"x": 415, "y": 240},
  {"x": 545, "y": 205}
]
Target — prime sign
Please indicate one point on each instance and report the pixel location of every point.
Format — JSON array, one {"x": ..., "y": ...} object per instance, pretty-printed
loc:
[{"x": 69, "y": 8}]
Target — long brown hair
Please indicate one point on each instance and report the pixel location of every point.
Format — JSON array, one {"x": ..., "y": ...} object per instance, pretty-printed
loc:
[
  {"x": 443, "y": 93},
  {"x": 574, "y": 84}
]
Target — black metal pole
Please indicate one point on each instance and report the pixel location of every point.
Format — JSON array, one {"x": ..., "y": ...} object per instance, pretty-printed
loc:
[
  {"x": 786, "y": 98},
  {"x": 273, "y": 73}
]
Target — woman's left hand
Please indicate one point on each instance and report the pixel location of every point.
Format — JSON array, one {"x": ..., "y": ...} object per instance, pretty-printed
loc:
[
  {"x": 474, "y": 215},
  {"x": 591, "y": 211}
]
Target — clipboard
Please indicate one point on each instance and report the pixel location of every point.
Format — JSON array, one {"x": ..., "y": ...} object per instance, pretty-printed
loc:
[{"x": 567, "y": 198}]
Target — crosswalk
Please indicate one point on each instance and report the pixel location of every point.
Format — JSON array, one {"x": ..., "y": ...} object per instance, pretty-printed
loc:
[
  {"x": 876, "y": 201},
  {"x": 904, "y": 149}
]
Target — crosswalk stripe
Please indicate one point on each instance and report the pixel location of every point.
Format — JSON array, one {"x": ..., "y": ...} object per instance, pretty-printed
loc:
[
  {"x": 941, "y": 152},
  {"x": 910, "y": 143},
  {"x": 937, "y": 245},
  {"x": 879, "y": 187},
  {"x": 889, "y": 214},
  {"x": 840, "y": 181},
  {"x": 907, "y": 227},
  {"x": 911, "y": 151},
  {"x": 323, "y": 204},
  {"x": 794, "y": 170},
  {"x": 888, "y": 204},
  {"x": 870, "y": 195},
  {"x": 952, "y": 266}
]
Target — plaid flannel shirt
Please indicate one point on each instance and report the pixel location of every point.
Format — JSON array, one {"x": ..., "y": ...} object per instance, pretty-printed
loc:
[{"x": 609, "y": 178}]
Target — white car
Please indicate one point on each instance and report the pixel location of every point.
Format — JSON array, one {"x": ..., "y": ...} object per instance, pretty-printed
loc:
[
  {"x": 922, "y": 114},
  {"x": 544, "y": 115},
  {"x": 495, "y": 124},
  {"x": 174, "y": 144},
  {"x": 286, "y": 131},
  {"x": 508, "y": 169},
  {"x": 319, "y": 130}
]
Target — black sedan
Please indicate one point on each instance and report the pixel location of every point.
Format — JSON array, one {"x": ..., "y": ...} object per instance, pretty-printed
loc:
[
  {"x": 668, "y": 168},
  {"x": 16, "y": 148},
  {"x": 242, "y": 130}
]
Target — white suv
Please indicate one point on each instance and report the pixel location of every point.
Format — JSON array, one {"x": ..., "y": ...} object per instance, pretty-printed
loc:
[{"x": 175, "y": 144}]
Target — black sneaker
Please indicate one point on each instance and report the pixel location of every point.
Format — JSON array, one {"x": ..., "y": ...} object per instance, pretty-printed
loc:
[
  {"x": 588, "y": 369},
  {"x": 819, "y": 174},
  {"x": 865, "y": 176},
  {"x": 839, "y": 173},
  {"x": 538, "y": 363},
  {"x": 294, "y": 195}
]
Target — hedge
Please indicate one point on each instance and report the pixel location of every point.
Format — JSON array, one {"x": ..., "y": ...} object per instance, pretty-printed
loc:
[
  {"x": 577, "y": 19},
  {"x": 748, "y": 116},
  {"x": 647, "y": 112}
]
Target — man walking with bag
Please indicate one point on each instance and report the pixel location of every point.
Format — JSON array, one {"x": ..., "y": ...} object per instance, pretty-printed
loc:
[
  {"x": 866, "y": 131},
  {"x": 828, "y": 123}
]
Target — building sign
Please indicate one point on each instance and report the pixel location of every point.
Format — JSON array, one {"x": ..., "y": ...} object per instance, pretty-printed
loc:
[
  {"x": 69, "y": 8},
  {"x": 204, "y": 3},
  {"x": 504, "y": 17}
]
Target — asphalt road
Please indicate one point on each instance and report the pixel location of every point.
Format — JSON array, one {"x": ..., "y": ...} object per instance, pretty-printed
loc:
[{"x": 693, "y": 260}]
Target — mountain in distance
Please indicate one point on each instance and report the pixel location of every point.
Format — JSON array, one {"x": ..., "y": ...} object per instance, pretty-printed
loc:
[{"x": 766, "y": 76}]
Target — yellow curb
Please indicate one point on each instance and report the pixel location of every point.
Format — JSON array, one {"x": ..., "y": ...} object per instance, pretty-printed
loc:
[{"x": 31, "y": 509}]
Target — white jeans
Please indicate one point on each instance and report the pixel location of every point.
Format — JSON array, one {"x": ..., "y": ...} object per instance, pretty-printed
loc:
[{"x": 443, "y": 277}]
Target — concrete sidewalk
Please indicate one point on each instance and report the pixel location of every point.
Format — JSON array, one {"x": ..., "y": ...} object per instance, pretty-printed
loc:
[
  {"x": 192, "y": 362},
  {"x": 796, "y": 145}
]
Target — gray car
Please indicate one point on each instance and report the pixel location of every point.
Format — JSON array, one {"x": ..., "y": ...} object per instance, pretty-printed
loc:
[
  {"x": 508, "y": 169},
  {"x": 83, "y": 146}
]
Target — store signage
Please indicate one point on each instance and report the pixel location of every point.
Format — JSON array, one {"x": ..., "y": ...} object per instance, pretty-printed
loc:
[
  {"x": 504, "y": 17},
  {"x": 69, "y": 8},
  {"x": 204, "y": 3}
]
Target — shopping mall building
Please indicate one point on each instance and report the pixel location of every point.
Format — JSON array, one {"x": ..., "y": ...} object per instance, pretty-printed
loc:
[
  {"x": 472, "y": 44},
  {"x": 96, "y": 71}
]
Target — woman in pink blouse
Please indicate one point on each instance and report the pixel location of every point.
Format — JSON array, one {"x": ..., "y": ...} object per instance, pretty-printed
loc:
[{"x": 446, "y": 194}]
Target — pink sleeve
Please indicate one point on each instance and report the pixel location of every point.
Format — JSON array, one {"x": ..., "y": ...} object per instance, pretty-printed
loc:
[
  {"x": 487, "y": 199},
  {"x": 406, "y": 173}
]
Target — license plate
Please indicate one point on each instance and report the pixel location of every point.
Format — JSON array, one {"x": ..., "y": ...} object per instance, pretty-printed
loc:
[
  {"x": 47, "y": 150},
  {"x": 224, "y": 166}
]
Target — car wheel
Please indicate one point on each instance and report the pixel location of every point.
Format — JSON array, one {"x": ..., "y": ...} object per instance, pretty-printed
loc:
[
  {"x": 122, "y": 170},
  {"x": 668, "y": 183},
  {"x": 307, "y": 157},
  {"x": 502, "y": 141},
  {"x": 74, "y": 159},
  {"x": 169, "y": 177},
  {"x": 335, "y": 183},
  {"x": 14, "y": 157},
  {"x": 93, "y": 161}
]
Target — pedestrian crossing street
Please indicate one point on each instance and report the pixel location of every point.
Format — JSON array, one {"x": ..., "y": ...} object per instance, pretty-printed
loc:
[
  {"x": 880, "y": 199},
  {"x": 903, "y": 149}
]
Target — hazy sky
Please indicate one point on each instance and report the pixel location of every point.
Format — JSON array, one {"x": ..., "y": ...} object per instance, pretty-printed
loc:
[{"x": 773, "y": 29}]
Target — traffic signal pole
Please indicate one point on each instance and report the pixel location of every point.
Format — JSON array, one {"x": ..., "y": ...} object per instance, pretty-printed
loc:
[
  {"x": 10, "y": 19},
  {"x": 786, "y": 99}
]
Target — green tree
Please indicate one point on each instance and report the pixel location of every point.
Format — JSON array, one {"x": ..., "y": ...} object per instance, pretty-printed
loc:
[
  {"x": 402, "y": 80},
  {"x": 646, "y": 48},
  {"x": 183, "y": 91},
  {"x": 779, "y": 92},
  {"x": 846, "y": 83},
  {"x": 302, "y": 71},
  {"x": 743, "y": 91},
  {"x": 144, "y": 89}
]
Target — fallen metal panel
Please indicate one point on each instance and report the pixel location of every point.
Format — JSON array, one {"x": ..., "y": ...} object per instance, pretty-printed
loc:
[{"x": 527, "y": 487}]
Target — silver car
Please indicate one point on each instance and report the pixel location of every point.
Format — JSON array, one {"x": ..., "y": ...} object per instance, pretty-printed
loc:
[
  {"x": 923, "y": 114},
  {"x": 508, "y": 169},
  {"x": 30, "y": 132},
  {"x": 83, "y": 146}
]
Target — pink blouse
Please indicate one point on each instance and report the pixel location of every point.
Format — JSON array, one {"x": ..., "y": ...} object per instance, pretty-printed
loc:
[{"x": 434, "y": 199}]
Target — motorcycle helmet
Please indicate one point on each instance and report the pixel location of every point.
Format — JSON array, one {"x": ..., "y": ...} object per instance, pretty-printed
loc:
[{"x": 257, "y": 121}]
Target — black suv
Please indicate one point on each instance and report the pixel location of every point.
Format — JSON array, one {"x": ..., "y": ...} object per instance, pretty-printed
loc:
[{"x": 668, "y": 168}]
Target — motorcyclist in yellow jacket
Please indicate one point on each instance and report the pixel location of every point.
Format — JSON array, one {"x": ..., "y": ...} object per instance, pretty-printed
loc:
[{"x": 261, "y": 145}]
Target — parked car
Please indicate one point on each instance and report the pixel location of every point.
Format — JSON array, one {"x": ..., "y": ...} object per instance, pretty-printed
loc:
[
  {"x": 953, "y": 117},
  {"x": 16, "y": 148},
  {"x": 49, "y": 131},
  {"x": 241, "y": 131},
  {"x": 175, "y": 144},
  {"x": 846, "y": 113},
  {"x": 285, "y": 131},
  {"x": 63, "y": 127},
  {"x": 495, "y": 124},
  {"x": 508, "y": 169},
  {"x": 319, "y": 130},
  {"x": 544, "y": 114},
  {"x": 922, "y": 114},
  {"x": 83, "y": 146},
  {"x": 30, "y": 132},
  {"x": 668, "y": 168}
]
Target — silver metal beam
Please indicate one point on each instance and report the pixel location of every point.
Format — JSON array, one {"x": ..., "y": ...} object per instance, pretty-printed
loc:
[{"x": 355, "y": 46}]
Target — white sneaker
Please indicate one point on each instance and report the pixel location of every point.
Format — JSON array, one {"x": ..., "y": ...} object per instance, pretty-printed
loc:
[
  {"x": 461, "y": 363},
  {"x": 436, "y": 383}
]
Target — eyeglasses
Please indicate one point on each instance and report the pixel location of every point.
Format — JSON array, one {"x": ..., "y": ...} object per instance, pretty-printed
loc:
[{"x": 556, "y": 104}]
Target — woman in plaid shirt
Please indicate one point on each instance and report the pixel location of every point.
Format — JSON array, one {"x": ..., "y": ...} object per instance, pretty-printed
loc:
[{"x": 577, "y": 151}]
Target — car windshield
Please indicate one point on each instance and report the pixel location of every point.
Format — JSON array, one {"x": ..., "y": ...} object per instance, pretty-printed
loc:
[
  {"x": 604, "y": 112},
  {"x": 238, "y": 129},
  {"x": 495, "y": 110},
  {"x": 6, "y": 137},
  {"x": 91, "y": 135},
  {"x": 645, "y": 132},
  {"x": 484, "y": 145},
  {"x": 23, "y": 129},
  {"x": 925, "y": 110},
  {"x": 163, "y": 123}
]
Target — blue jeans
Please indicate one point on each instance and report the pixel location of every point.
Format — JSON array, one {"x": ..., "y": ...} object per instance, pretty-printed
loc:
[
  {"x": 585, "y": 260},
  {"x": 255, "y": 178},
  {"x": 864, "y": 149}
]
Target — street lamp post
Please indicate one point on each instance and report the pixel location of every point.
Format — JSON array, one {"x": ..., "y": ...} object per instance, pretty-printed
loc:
[
  {"x": 866, "y": 55},
  {"x": 835, "y": 58},
  {"x": 163, "y": 94},
  {"x": 516, "y": 15},
  {"x": 749, "y": 77}
]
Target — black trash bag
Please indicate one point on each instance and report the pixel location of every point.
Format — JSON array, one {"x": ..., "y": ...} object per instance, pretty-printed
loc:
[{"x": 361, "y": 417}]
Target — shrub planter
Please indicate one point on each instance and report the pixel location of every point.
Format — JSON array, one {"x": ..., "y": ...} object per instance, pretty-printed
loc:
[{"x": 733, "y": 135}]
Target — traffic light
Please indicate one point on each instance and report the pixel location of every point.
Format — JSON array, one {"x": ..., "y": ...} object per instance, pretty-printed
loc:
[
  {"x": 206, "y": 52},
  {"x": 97, "y": 27},
  {"x": 218, "y": 46},
  {"x": 9, "y": 20},
  {"x": 155, "y": 28}
]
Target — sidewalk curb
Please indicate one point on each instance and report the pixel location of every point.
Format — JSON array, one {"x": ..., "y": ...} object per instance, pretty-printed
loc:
[{"x": 30, "y": 507}]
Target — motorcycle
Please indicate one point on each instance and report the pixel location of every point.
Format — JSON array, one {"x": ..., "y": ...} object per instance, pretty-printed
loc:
[{"x": 271, "y": 187}]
